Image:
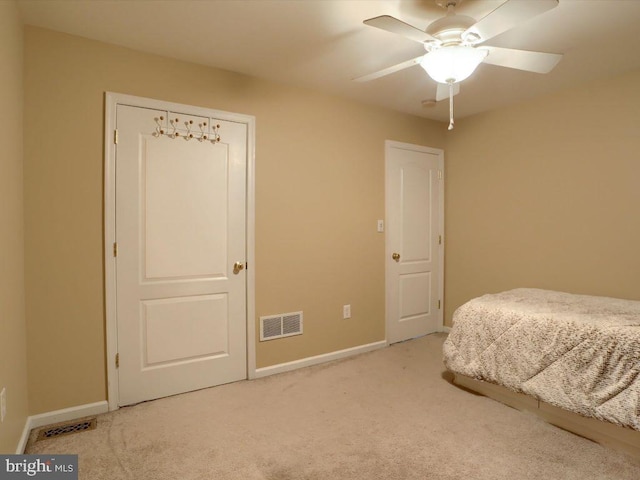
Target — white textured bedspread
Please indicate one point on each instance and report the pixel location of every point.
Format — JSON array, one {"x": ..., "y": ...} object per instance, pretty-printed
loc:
[{"x": 577, "y": 352}]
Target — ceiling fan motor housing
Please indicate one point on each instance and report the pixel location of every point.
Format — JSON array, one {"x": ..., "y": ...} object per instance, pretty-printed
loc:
[
  {"x": 449, "y": 29},
  {"x": 448, "y": 3}
]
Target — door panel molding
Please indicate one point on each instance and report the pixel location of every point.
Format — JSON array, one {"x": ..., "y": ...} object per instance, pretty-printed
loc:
[
  {"x": 112, "y": 100},
  {"x": 403, "y": 256}
]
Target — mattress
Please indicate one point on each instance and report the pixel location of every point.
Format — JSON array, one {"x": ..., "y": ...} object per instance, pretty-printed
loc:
[{"x": 577, "y": 352}]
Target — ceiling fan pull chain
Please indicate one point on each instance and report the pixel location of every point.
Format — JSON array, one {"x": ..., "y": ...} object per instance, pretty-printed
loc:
[{"x": 450, "y": 106}]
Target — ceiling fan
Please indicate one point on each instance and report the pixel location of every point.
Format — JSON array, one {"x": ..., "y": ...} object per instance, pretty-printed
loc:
[{"x": 455, "y": 44}]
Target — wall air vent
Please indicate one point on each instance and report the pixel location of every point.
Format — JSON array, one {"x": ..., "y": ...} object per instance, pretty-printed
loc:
[{"x": 279, "y": 326}]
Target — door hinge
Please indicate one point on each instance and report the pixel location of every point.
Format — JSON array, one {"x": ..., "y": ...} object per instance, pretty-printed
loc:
[
  {"x": 115, "y": 249},
  {"x": 438, "y": 304},
  {"x": 439, "y": 174},
  {"x": 115, "y": 136},
  {"x": 439, "y": 239},
  {"x": 117, "y": 360}
]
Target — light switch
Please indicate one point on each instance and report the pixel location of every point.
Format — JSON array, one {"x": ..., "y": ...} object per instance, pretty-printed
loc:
[{"x": 380, "y": 226}]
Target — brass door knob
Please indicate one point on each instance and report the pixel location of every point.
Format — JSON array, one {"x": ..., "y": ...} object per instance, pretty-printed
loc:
[
  {"x": 396, "y": 257},
  {"x": 237, "y": 267}
]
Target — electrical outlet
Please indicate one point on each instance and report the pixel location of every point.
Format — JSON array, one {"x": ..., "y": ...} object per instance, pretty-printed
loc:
[
  {"x": 346, "y": 311},
  {"x": 3, "y": 404}
]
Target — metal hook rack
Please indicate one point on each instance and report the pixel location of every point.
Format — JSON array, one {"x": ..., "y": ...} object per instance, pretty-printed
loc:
[{"x": 203, "y": 136}]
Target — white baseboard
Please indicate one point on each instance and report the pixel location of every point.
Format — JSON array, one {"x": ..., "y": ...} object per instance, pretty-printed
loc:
[
  {"x": 24, "y": 438},
  {"x": 57, "y": 416},
  {"x": 446, "y": 329},
  {"x": 327, "y": 357}
]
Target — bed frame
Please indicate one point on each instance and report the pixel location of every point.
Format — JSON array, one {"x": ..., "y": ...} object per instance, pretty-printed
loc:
[{"x": 620, "y": 438}]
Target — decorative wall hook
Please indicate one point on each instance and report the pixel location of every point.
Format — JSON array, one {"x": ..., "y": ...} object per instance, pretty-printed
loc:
[{"x": 206, "y": 134}]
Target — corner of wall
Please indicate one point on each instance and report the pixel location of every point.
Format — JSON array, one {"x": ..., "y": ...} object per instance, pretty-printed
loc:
[{"x": 13, "y": 347}]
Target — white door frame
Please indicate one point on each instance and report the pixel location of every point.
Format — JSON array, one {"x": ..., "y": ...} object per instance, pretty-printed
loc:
[
  {"x": 388, "y": 144},
  {"x": 112, "y": 100}
]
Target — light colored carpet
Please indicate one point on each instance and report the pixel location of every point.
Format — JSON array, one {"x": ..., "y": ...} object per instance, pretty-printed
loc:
[{"x": 389, "y": 414}]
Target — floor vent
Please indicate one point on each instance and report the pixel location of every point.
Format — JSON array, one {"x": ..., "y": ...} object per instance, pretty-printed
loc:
[
  {"x": 279, "y": 326},
  {"x": 67, "y": 429}
]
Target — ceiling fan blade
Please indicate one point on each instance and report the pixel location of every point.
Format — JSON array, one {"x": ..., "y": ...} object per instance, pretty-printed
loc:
[
  {"x": 537, "y": 62},
  {"x": 389, "y": 70},
  {"x": 507, "y": 16},
  {"x": 393, "y": 25},
  {"x": 442, "y": 91}
]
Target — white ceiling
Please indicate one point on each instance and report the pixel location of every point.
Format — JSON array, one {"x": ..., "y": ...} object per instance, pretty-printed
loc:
[{"x": 323, "y": 44}]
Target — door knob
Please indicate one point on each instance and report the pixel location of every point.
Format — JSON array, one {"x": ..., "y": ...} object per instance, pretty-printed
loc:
[
  {"x": 237, "y": 267},
  {"x": 396, "y": 257}
]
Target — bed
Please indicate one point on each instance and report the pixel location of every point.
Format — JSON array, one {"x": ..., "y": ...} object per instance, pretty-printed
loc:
[{"x": 572, "y": 359}]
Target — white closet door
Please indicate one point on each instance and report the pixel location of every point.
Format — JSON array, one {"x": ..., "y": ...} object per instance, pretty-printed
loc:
[
  {"x": 180, "y": 229},
  {"x": 413, "y": 250}
]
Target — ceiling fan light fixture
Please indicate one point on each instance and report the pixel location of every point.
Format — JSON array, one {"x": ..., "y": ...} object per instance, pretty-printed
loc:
[{"x": 452, "y": 64}]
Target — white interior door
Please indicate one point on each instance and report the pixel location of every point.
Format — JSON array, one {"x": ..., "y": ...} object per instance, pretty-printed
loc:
[
  {"x": 180, "y": 229},
  {"x": 414, "y": 252}
]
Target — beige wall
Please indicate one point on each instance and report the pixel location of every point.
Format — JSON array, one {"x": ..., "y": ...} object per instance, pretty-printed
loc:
[
  {"x": 319, "y": 192},
  {"x": 13, "y": 359},
  {"x": 547, "y": 194}
]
